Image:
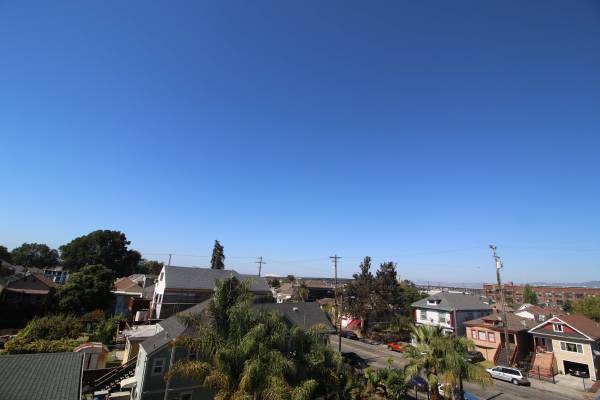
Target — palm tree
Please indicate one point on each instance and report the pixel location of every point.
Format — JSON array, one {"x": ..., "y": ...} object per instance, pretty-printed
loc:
[
  {"x": 425, "y": 357},
  {"x": 247, "y": 354}
]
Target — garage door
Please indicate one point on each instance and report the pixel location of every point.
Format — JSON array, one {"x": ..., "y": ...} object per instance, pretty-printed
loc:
[{"x": 577, "y": 369}]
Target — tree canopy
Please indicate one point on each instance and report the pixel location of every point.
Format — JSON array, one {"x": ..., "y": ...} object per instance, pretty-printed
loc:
[
  {"x": 218, "y": 257},
  {"x": 47, "y": 334},
  {"x": 5, "y": 254},
  {"x": 151, "y": 267},
  {"x": 529, "y": 296},
  {"x": 589, "y": 307},
  {"x": 243, "y": 353},
  {"x": 87, "y": 290},
  {"x": 36, "y": 255},
  {"x": 104, "y": 247},
  {"x": 359, "y": 293}
]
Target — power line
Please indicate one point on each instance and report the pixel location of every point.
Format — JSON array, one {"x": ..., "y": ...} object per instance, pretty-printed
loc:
[{"x": 503, "y": 299}]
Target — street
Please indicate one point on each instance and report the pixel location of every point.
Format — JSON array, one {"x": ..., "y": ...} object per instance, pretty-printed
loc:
[{"x": 378, "y": 355}]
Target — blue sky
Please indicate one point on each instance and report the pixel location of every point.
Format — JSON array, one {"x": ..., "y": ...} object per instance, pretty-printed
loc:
[{"x": 418, "y": 133}]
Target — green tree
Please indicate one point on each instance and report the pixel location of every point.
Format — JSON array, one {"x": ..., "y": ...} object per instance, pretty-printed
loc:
[
  {"x": 246, "y": 354},
  {"x": 529, "y": 296},
  {"x": 442, "y": 359},
  {"x": 589, "y": 307},
  {"x": 407, "y": 294},
  {"x": 386, "y": 288},
  {"x": 51, "y": 327},
  {"x": 36, "y": 255},
  {"x": 568, "y": 306},
  {"x": 301, "y": 292},
  {"x": 106, "y": 331},
  {"x": 218, "y": 257},
  {"x": 104, "y": 247},
  {"x": 87, "y": 290},
  {"x": 275, "y": 283},
  {"x": 5, "y": 254},
  {"x": 359, "y": 297},
  {"x": 151, "y": 267}
]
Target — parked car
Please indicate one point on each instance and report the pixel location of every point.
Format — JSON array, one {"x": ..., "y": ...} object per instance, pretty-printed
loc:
[
  {"x": 474, "y": 357},
  {"x": 354, "y": 360},
  {"x": 418, "y": 383},
  {"x": 508, "y": 374},
  {"x": 395, "y": 346},
  {"x": 349, "y": 335}
]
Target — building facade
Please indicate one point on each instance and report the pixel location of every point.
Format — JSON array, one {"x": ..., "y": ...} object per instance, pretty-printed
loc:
[
  {"x": 550, "y": 295},
  {"x": 449, "y": 311}
]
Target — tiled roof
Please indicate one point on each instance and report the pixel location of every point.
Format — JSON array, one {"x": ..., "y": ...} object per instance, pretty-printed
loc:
[
  {"x": 205, "y": 278},
  {"x": 452, "y": 301},
  {"x": 41, "y": 376}
]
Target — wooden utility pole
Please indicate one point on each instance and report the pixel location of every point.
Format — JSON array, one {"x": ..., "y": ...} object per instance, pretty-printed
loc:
[
  {"x": 260, "y": 263},
  {"x": 503, "y": 299},
  {"x": 335, "y": 259}
]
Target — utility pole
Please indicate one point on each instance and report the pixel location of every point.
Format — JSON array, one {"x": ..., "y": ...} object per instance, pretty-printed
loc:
[
  {"x": 260, "y": 263},
  {"x": 503, "y": 299},
  {"x": 169, "y": 264},
  {"x": 335, "y": 259}
]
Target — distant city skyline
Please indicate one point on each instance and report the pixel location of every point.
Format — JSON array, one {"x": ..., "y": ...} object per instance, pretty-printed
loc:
[{"x": 407, "y": 131}]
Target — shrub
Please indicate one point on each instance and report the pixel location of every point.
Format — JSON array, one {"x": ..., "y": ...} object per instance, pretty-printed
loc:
[{"x": 51, "y": 327}]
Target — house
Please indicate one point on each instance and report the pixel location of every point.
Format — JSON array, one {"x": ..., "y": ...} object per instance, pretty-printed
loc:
[
  {"x": 57, "y": 275},
  {"x": 488, "y": 335},
  {"x": 134, "y": 336},
  {"x": 26, "y": 289},
  {"x": 567, "y": 344},
  {"x": 41, "y": 376},
  {"x": 95, "y": 355},
  {"x": 179, "y": 288},
  {"x": 550, "y": 295},
  {"x": 155, "y": 354},
  {"x": 284, "y": 293},
  {"x": 537, "y": 313},
  {"x": 449, "y": 311},
  {"x": 124, "y": 289}
]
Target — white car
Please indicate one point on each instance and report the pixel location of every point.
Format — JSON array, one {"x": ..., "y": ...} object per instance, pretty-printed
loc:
[{"x": 508, "y": 374}]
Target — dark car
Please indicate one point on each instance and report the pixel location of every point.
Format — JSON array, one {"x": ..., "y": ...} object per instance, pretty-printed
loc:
[
  {"x": 354, "y": 360},
  {"x": 419, "y": 383},
  {"x": 474, "y": 357},
  {"x": 349, "y": 335}
]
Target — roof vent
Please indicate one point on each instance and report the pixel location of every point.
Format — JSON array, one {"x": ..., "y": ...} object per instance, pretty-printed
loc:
[{"x": 296, "y": 309}]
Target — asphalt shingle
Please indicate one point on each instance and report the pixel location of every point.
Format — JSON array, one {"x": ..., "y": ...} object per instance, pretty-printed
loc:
[
  {"x": 453, "y": 301},
  {"x": 204, "y": 278},
  {"x": 55, "y": 376}
]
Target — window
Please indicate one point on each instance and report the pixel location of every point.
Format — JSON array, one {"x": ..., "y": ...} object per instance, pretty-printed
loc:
[
  {"x": 158, "y": 366},
  {"x": 572, "y": 347},
  {"x": 422, "y": 314},
  {"x": 557, "y": 327},
  {"x": 442, "y": 318},
  {"x": 473, "y": 333},
  {"x": 541, "y": 318},
  {"x": 492, "y": 337},
  {"x": 482, "y": 335}
]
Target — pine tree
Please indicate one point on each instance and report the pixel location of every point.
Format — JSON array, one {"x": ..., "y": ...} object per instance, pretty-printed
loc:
[{"x": 218, "y": 257}]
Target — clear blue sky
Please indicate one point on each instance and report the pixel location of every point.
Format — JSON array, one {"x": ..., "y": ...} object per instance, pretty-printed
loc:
[{"x": 413, "y": 131}]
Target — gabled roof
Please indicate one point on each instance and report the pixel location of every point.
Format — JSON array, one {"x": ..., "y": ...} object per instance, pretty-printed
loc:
[
  {"x": 452, "y": 301},
  {"x": 585, "y": 326},
  {"x": 171, "y": 328},
  {"x": 305, "y": 315},
  {"x": 41, "y": 376},
  {"x": 205, "y": 278}
]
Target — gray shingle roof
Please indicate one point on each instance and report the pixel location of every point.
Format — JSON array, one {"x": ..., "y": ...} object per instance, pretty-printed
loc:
[
  {"x": 453, "y": 301},
  {"x": 204, "y": 278},
  {"x": 172, "y": 327},
  {"x": 41, "y": 376},
  {"x": 305, "y": 315}
]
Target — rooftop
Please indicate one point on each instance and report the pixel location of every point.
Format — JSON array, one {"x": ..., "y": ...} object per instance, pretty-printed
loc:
[
  {"x": 41, "y": 376},
  {"x": 205, "y": 278},
  {"x": 452, "y": 301},
  {"x": 514, "y": 322}
]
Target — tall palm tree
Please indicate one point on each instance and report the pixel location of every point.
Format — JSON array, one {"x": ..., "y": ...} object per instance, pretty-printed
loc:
[{"x": 425, "y": 357}]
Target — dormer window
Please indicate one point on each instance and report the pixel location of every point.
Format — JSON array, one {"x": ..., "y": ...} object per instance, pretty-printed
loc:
[
  {"x": 433, "y": 302},
  {"x": 557, "y": 327}
]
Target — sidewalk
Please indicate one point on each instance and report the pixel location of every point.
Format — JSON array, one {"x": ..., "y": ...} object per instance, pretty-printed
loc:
[{"x": 565, "y": 384}]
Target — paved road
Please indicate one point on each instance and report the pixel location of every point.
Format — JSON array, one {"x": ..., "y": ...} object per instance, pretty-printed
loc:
[{"x": 377, "y": 356}]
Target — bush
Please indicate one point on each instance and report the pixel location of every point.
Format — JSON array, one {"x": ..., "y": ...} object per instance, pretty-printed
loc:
[
  {"x": 21, "y": 346},
  {"x": 51, "y": 327},
  {"x": 106, "y": 330}
]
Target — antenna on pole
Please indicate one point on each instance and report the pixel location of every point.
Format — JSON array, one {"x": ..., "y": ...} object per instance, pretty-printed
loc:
[
  {"x": 260, "y": 263},
  {"x": 169, "y": 264}
]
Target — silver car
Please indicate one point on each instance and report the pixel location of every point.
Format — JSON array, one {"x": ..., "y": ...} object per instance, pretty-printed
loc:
[{"x": 508, "y": 374}]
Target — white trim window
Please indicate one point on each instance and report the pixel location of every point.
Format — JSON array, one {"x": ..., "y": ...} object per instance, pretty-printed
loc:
[
  {"x": 557, "y": 327},
  {"x": 423, "y": 315},
  {"x": 571, "y": 347},
  {"x": 158, "y": 366},
  {"x": 482, "y": 335},
  {"x": 442, "y": 318},
  {"x": 473, "y": 333}
]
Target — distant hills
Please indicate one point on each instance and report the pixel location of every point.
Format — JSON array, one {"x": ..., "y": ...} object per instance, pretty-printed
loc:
[{"x": 479, "y": 285}]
